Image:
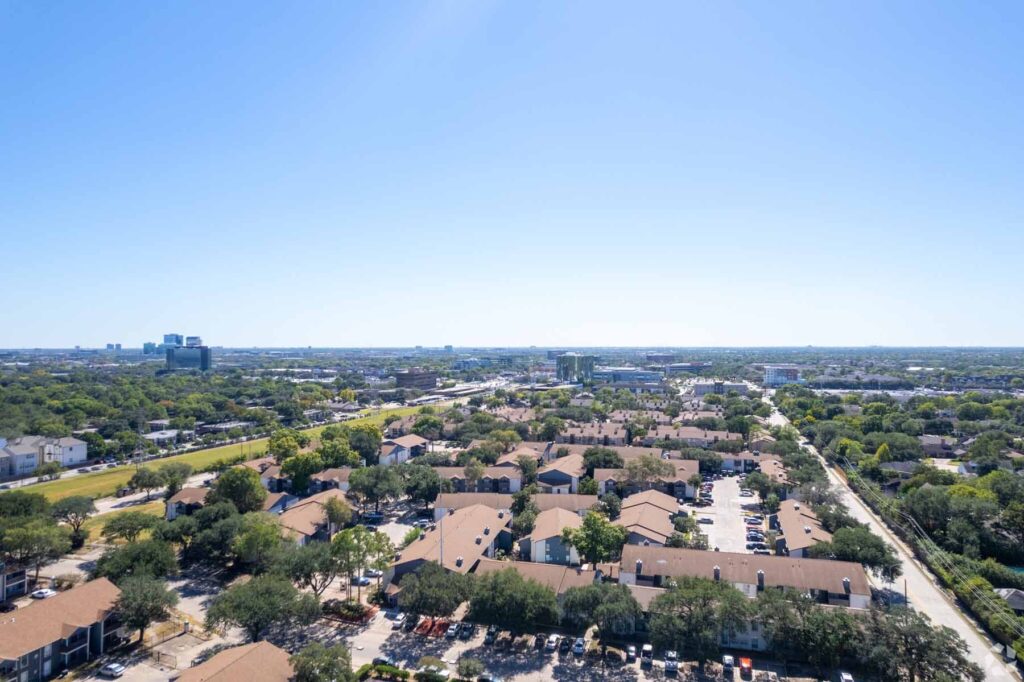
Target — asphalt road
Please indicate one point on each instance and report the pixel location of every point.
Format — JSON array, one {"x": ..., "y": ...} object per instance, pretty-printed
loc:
[{"x": 922, "y": 589}]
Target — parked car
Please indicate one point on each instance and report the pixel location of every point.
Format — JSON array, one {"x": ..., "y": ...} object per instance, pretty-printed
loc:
[
  {"x": 361, "y": 580},
  {"x": 564, "y": 645},
  {"x": 384, "y": 660},
  {"x": 411, "y": 623},
  {"x": 763, "y": 552},
  {"x": 8, "y": 606},
  {"x": 647, "y": 655},
  {"x": 630, "y": 653},
  {"x": 468, "y": 631},
  {"x": 845, "y": 677},
  {"x": 756, "y": 545},
  {"x": 539, "y": 642},
  {"x": 552, "y": 643},
  {"x": 373, "y": 517},
  {"x": 487, "y": 677},
  {"x": 579, "y": 646},
  {"x": 705, "y": 520},
  {"x": 430, "y": 671},
  {"x": 112, "y": 670},
  {"x": 44, "y": 593},
  {"x": 727, "y": 664},
  {"x": 746, "y": 669},
  {"x": 373, "y": 573},
  {"x": 453, "y": 631},
  {"x": 671, "y": 662},
  {"x": 399, "y": 621}
]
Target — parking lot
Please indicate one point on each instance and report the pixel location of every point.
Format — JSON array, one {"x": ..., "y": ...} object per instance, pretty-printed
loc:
[{"x": 728, "y": 532}]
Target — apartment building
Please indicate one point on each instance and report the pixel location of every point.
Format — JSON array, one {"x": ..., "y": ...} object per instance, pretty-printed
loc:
[
  {"x": 48, "y": 636},
  {"x": 562, "y": 475},
  {"x": 799, "y": 528},
  {"x": 495, "y": 479},
  {"x": 837, "y": 583},
  {"x": 676, "y": 484},
  {"x": 544, "y": 544},
  {"x": 21, "y": 456},
  {"x": 257, "y": 661}
]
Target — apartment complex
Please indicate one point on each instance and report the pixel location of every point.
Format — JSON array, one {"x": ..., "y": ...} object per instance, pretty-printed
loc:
[
  {"x": 21, "y": 456},
  {"x": 51, "y": 635}
]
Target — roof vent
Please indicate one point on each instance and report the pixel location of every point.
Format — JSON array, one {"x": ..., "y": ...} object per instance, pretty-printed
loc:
[
  {"x": 479, "y": 539},
  {"x": 451, "y": 512},
  {"x": 846, "y": 585},
  {"x": 760, "y": 580},
  {"x": 639, "y": 566},
  {"x": 796, "y": 505},
  {"x": 807, "y": 529},
  {"x": 501, "y": 514},
  {"x": 718, "y": 573},
  {"x": 422, "y": 535},
  {"x": 487, "y": 530},
  {"x": 458, "y": 561}
]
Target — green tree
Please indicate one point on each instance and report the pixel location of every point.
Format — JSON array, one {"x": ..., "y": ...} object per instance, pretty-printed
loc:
[
  {"x": 612, "y": 608},
  {"x": 365, "y": 439},
  {"x": 528, "y": 466},
  {"x": 300, "y": 468},
  {"x": 506, "y": 599},
  {"x": 313, "y": 565},
  {"x": 258, "y": 543},
  {"x": 19, "y": 504},
  {"x": 469, "y": 668},
  {"x": 146, "y": 479},
  {"x": 375, "y": 484},
  {"x": 152, "y": 558},
  {"x": 48, "y": 471},
  {"x": 36, "y": 543},
  {"x": 422, "y": 483},
  {"x": 428, "y": 426},
  {"x": 432, "y": 591},
  {"x": 319, "y": 663},
  {"x": 551, "y": 427},
  {"x": 282, "y": 444},
  {"x": 337, "y": 453},
  {"x": 259, "y": 603},
  {"x": 601, "y": 458},
  {"x": 860, "y": 545},
  {"x": 612, "y": 505},
  {"x": 587, "y": 486},
  {"x": 596, "y": 540},
  {"x": 240, "y": 486},
  {"x": 902, "y": 645},
  {"x": 128, "y": 525},
  {"x": 473, "y": 472},
  {"x": 646, "y": 469},
  {"x": 338, "y": 513},
  {"x": 174, "y": 475},
  {"x": 144, "y": 600},
  {"x": 691, "y": 615},
  {"x": 74, "y": 511}
]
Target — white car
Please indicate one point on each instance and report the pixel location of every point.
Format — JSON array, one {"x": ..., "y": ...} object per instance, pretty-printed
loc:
[
  {"x": 671, "y": 662},
  {"x": 112, "y": 670},
  {"x": 399, "y": 621},
  {"x": 44, "y": 593},
  {"x": 552, "y": 643},
  {"x": 845, "y": 677}
]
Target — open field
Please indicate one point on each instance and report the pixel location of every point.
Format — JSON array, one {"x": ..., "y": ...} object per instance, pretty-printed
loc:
[
  {"x": 105, "y": 483},
  {"x": 94, "y": 526}
]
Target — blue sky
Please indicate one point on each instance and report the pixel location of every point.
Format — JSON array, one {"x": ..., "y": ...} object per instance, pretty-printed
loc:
[{"x": 400, "y": 173}]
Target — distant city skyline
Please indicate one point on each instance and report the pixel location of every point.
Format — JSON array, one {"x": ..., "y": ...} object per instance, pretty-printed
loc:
[{"x": 512, "y": 174}]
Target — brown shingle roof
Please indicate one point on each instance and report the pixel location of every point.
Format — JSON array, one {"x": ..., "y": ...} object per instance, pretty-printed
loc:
[
  {"x": 576, "y": 503},
  {"x": 653, "y": 497},
  {"x": 646, "y": 520},
  {"x": 570, "y": 465},
  {"x": 463, "y": 500},
  {"x": 257, "y": 661},
  {"x": 549, "y": 524},
  {"x": 410, "y": 441},
  {"x": 338, "y": 475},
  {"x": 800, "y": 526},
  {"x": 558, "y": 578},
  {"x": 489, "y": 472},
  {"x": 459, "y": 530},
  {"x": 310, "y": 514},
  {"x": 189, "y": 496},
  {"x": 801, "y": 574},
  {"x": 48, "y": 620}
]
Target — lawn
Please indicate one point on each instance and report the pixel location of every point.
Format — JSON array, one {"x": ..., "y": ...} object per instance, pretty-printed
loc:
[
  {"x": 94, "y": 526},
  {"x": 106, "y": 483}
]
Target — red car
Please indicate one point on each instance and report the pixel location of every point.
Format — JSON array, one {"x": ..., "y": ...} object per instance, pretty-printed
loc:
[{"x": 746, "y": 669}]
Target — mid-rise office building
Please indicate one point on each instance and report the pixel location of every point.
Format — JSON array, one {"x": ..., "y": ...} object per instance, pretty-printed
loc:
[
  {"x": 780, "y": 375},
  {"x": 148, "y": 348},
  {"x": 193, "y": 341},
  {"x": 618, "y": 375},
  {"x": 189, "y": 357},
  {"x": 575, "y": 367},
  {"x": 703, "y": 388},
  {"x": 416, "y": 377},
  {"x": 173, "y": 340}
]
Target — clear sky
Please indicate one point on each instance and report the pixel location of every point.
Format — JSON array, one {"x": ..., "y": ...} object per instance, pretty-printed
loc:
[{"x": 400, "y": 173}]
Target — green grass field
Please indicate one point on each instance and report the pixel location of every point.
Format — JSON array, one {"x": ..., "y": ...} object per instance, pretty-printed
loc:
[
  {"x": 105, "y": 483},
  {"x": 94, "y": 526}
]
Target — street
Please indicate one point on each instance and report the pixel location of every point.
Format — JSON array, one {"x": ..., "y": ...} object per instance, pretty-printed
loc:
[{"x": 923, "y": 591}]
